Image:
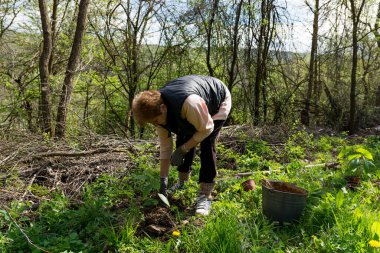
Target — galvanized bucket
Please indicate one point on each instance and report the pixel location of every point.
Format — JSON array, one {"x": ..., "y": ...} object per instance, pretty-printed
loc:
[{"x": 282, "y": 201}]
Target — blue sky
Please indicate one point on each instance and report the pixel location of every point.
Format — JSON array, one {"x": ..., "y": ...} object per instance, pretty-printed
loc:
[{"x": 301, "y": 17}]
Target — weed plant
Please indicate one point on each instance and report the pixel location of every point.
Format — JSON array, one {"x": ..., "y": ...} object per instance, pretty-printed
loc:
[{"x": 107, "y": 219}]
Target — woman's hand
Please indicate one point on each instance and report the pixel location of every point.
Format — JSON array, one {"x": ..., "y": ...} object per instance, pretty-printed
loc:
[{"x": 178, "y": 156}]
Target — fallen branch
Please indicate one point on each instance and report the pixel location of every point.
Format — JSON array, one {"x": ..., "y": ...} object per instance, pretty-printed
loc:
[
  {"x": 24, "y": 234},
  {"x": 82, "y": 153},
  {"x": 315, "y": 165},
  {"x": 10, "y": 192},
  {"x": 245, "y": 174},
  {"x": 28, "y": 186},
  {"x": 8, "y": 158},
  {"x": 331, "y": 165}
]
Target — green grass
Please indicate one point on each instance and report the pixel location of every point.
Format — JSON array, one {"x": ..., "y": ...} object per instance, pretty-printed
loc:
[{"x": 335, "y": 219}]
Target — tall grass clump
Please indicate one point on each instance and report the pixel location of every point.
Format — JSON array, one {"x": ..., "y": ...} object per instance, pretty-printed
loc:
[{"x": 222, "y": 232}]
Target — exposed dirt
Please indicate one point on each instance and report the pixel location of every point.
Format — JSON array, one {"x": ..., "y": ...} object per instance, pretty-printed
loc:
[
  {"x": 284, "y": 187},
  {"x": 157, "y": 222},
  {"x": 160, "y": 221},
  {"x": 353, "y": 182}
]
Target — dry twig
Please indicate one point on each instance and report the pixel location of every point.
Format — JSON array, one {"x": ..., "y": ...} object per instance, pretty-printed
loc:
[{"x": 25, "y": 235}]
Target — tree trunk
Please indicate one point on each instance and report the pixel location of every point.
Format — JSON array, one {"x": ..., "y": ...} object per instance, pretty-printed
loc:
[
  {"x": 257, "y": 88},
  {"x": 317, "y": 82},
  {"x": 355, "y": 22},
  {"x": 377, "y": 26},
  {"x": 71, "y": 69},
  {"x": 26, "y": 103},
  {"x": 86, "y": 105},
  {"x": 209, "y": 36},
  {"x": 45, "y": 107},
  {"x": 249, "y": 60},
  {"x": 134, "y": 76},
  {"x": 53, "y": 33},
  {"x": 335, "y": 111},
  {"x": 305, "y": 114},
  {"x": 351, "y": 123},
  {"x": 267, "y": 41},
  {"x": 235, "y": 47},
  {"x": 262, "y": 55}
]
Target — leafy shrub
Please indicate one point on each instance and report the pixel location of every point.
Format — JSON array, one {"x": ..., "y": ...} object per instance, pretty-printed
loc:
[
  {"x": 39, "y": 190},
  {"x": 259, "y": 147},
  {"x": 324, "y": 144},
  {"x": 302, "y": 138},
  {"x": 297, "y": 146},
  {"x": 226, "y": 157},
  {"x": 109, "y": 189},
  {"x": 293, "y": 152},
  {"x": 144, "y": 182},
  {"x": 250, "y": 160},
  {"x": 328, "y": 143},
  {"x": 373, "y": 145},
  {"x": 358, "y": 160}
]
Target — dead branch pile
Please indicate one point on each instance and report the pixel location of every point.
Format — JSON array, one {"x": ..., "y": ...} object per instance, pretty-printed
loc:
[{"x": 27, "y": 159}]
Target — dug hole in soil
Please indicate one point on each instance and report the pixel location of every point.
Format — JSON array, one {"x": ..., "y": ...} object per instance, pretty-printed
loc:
[
  {"x": 157, "y": 221},
  {"x": 160, "y": 221}
]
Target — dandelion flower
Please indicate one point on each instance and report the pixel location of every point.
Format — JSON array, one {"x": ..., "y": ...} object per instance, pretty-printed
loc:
[
  {"x": 374, "y": 244},
  {"x": 176, "y": 233}
]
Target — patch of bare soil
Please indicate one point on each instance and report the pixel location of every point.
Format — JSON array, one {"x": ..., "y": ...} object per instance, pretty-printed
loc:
[
  {"x": 160, "y": 222},
  {"x": 157, "y": 221},
  {"x": 284, "y": 187}
]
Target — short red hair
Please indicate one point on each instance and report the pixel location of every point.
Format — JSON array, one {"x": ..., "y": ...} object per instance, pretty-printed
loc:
[{"x": 146, "y": 106}]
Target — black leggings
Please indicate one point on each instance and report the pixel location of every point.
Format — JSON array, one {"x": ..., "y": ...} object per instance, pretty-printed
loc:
[{"x": 208, "y": 154}]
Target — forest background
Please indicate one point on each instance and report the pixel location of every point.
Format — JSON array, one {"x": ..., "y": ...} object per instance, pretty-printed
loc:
[{"x": 73, "y": 67}]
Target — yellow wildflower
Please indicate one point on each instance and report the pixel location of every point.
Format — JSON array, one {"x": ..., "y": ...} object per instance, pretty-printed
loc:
[
  {"x": 176, "y": 233},
  {"x": 374, "y": 244}
]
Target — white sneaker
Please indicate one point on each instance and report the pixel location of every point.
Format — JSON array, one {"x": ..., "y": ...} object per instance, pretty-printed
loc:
[{"x": 203, "y": 205}]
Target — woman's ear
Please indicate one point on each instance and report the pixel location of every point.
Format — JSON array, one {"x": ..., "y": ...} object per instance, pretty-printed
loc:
[{"x": 163, "y": 108}]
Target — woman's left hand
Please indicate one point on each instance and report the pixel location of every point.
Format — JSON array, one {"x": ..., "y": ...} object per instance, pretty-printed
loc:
[{"x": 178, "y": 156}]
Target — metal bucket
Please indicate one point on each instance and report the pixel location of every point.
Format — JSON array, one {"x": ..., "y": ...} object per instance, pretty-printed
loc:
[{"x": 283, "y": 201}]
